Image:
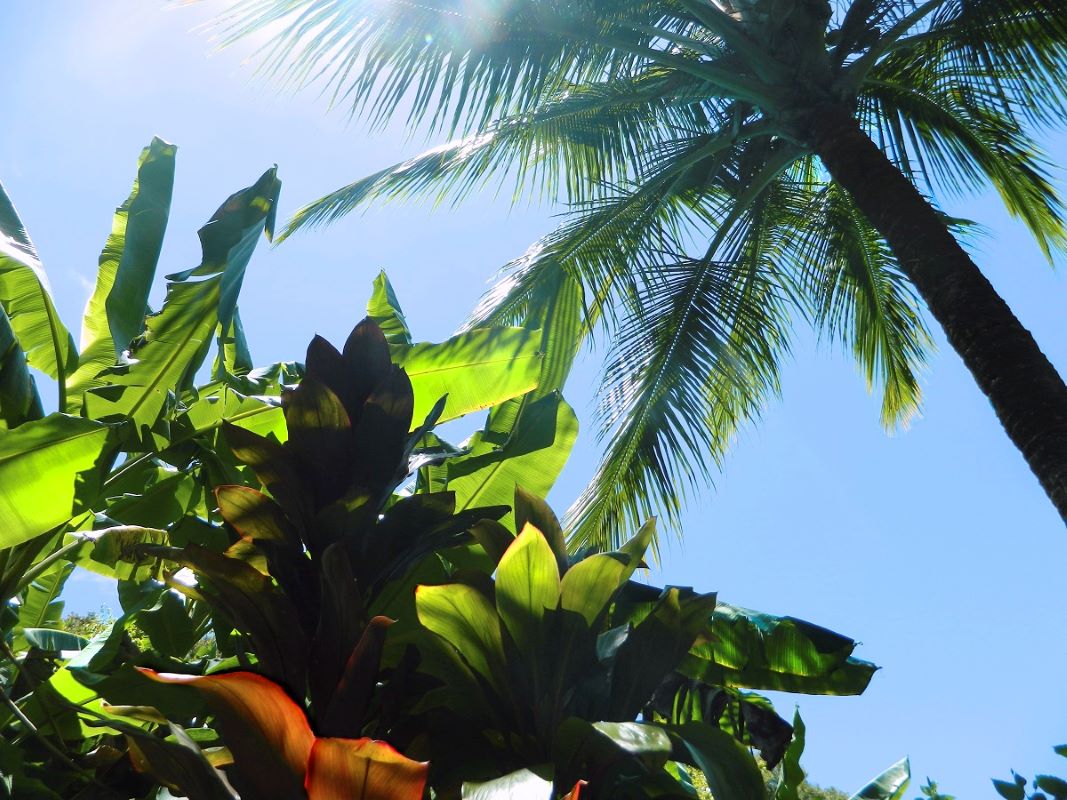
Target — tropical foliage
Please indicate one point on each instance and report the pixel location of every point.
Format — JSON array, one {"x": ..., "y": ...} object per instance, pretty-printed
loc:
[
  {"x": 130, "y": 460},
  {"x": 730, "y": 166},
  {"x": 1042, "y": 786}
]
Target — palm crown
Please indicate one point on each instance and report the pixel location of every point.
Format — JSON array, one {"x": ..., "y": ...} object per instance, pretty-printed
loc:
[{"x": 692, "y": 140}]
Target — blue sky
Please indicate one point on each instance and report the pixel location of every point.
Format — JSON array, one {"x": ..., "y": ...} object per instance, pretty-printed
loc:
[{"x": 935, "y": 547}]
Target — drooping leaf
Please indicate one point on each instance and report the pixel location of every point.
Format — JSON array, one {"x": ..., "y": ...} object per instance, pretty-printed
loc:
[
  {"x": 890, "y": 785},
  {"x": 655, "y": 647},
  {"x": 751, "y": 650},
  {"x": 258, "y": 608},
  {"x": 178, "y": 763},
  {"x": 26, "y": 299},
  {"x": 265, "y": 730},
  {"x": 53, "y": 640},
  {"x": 476, "y": 369},
  {"x": 50, "y": 469},
  {"x": 177, "y": 339},
  {"x": 341, "y": 769},
  {"x": 254, "y": 515},
  {"x": 384, "y": 308},
  {"x": 115, "y": 314}
]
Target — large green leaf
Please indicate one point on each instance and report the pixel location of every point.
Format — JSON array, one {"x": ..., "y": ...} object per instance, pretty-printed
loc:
[
  {"x": 730, "y": 769},
  {"x": 467, "y": 621},
  {"x": 527, "y": 585},
  {"x": 527, "y": 451},
  {"x": 476, "y": 369},
  {"x": 53, "y": 640},
  {"x": 890, "y": 785},
  {"x": 177, "y": 339},
  {"x": 26, "y": 298},
  {"x": 761, "y": 651},
  {"x": 115, "y": 314},
  {"x": 50, "y": 469},
  {"x": 39, "y": 604},
  {"x": 19, "y": 400}
]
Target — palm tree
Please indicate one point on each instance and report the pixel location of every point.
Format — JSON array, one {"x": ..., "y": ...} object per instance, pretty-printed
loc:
[{"x": 727, "y": 163}]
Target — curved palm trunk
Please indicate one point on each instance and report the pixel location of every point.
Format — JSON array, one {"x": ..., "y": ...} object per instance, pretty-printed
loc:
[{"x": 1028, "y": 395}]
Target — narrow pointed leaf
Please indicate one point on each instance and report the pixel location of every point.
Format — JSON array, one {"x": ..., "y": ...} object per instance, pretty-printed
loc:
[
  {"x": 589, "y": 585},
  {"x": 384, "y": 308},
  {"x": 527, "y": 585}
]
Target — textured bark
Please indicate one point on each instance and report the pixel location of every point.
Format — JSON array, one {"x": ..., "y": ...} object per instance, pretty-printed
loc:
[{"x": 1027, "y": 394}]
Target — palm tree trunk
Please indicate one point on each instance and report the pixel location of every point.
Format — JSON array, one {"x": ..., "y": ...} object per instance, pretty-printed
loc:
[{"x": 1028, "y": 395}]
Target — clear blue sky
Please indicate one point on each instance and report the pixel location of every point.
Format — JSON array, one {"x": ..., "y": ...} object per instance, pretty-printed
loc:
[{"x": 934, "y": 547}]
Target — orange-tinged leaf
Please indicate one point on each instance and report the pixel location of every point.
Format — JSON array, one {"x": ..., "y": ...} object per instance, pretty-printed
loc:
[
  {"x": 343, "y": 769},
  {"x": 576, "y": 792},
  {"x": 264, "y": 728}
]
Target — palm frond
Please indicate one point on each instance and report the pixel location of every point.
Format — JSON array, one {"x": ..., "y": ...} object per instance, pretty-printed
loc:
[
  {"x": 695, "y": 357},
  {"x": 585, "y": 138},
  {"x": 455, "y": 65},
  {"x": 1016, "y": 49},
  {"x": 956, "y": 139},
  {"x": 855, "y": 293}
]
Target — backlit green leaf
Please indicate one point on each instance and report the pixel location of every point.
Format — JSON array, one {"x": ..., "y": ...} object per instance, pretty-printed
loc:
[
  {"x": 527, "y": 584},
  {"x": 476, "y": 369},
  {"x": 50, "y": 469},
  {"x": 26, "y": 298}
]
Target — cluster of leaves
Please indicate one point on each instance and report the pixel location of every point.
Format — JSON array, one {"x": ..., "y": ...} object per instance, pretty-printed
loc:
[
  {"x": 1043, "y": 786},
  {"x": 320, "y": 596}
]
